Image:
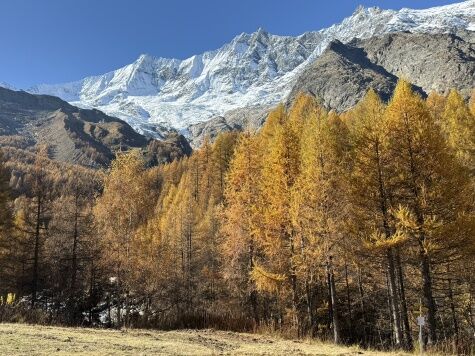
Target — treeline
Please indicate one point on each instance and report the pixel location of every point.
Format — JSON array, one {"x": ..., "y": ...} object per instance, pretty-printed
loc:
[{"x": 343, "y": 226}]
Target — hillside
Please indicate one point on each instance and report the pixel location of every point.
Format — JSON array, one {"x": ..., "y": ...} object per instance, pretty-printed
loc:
[
  {"x": 73, "y": 135},
  {"x": 345, "y": 72},
  {"x": 17, "y": 339}
]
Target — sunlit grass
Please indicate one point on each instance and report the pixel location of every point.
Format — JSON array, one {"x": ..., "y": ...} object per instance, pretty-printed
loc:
[{"x": 20, "y": 339}]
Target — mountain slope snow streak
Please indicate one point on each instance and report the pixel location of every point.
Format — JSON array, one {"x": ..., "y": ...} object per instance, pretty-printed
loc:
[{"x": 155, "y": 94}]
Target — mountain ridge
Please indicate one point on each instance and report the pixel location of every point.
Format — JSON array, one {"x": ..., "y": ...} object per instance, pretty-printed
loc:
[
  {"x": 80, "y": 136},
  {"x": 342, "y": 75},
  {"x": 156, "y": 94}
]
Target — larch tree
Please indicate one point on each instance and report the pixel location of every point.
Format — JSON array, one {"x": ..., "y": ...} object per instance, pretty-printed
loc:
[
  {"x": 429, "y": 182},
  {"x": 179, "y": 230},
  {"x": 32, "y": 219},
  {"x": 240, "y": 219},
  {"x": 169, "y": 230},
  {"x": 472, "y": 103},
  {"x": 119, "y": 212},
  {"x": 216, "y": 163},
  {"x": 223, "y": 149},
  {"x": 72, "y": 241},
  {"x": 276, "y": 235},
  {"x": 459, "y": 127},
  {"x": 7, "y": 246},
  {"x": 436, "y": 105},
  {"x": 317, "y": 204},
  {"x": 5, "y": 211},
  {"x": 370, "y": 189}
]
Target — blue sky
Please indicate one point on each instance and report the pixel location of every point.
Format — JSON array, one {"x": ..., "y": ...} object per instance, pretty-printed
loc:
[{"x": 53, "y": 41}]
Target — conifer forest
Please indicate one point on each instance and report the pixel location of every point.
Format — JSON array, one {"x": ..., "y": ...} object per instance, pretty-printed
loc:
[{"x": 340, "y": 226}]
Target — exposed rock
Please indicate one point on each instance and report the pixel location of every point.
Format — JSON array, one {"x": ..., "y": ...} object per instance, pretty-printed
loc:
[
  {"x": 248, "y": 118},
  {"x": 344, "y": 72},
  {"x": 434, "y": 62},
  {"x": 172, "y": 147},
  {"x": 341, "y": 76},
  {"x": 74, "y": 135}
]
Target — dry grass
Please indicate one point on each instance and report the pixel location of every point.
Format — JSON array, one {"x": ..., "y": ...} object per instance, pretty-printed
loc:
[{"x": 21, "y": 339}]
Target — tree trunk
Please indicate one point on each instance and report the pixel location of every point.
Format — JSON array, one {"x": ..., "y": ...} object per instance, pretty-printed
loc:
[
  {"x": 334, "y": 303},
  {"x": 408, "y": 344},
  {"x": 452, "y": 305},
  {"x": 127, "y": 309},
  {"x": 428, "y": 297},
  {"x": 330, "y": 303},
  {"x": 310, "y": 310},
  {"x": 72, "y": 292},
  {"x": 391, "y": 318},
  {"x": 393, "y": 299},
  {"x": 471, "y": 320},
  {"x": 362, "y": 306},
  {"x": 393, "y": 293},
  {"x": 91, "y": 292},
  {"x": 348, "y": 300},
  {"x": 74, "y": 251},
  {"x": 36, "y": 253},
  {"x": 119, "y": 311},
  {"x": 109, "y": 316},
  {"x": 293, "y": 281},
  {"x": 253, "y": 292}
]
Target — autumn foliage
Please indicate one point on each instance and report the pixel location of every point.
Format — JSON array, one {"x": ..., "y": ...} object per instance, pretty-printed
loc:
[{"x": 337, "y": 226}]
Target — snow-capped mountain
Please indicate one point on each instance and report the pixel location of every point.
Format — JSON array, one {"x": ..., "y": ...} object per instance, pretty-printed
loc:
[
  {"x": 253, "y": 69},
  {"x": 7, "y": 86}
]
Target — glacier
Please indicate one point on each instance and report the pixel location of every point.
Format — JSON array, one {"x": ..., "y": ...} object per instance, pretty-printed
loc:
[{"x": 158, "y": 94}]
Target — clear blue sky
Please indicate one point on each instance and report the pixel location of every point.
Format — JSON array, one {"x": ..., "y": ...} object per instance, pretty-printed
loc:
[{"x": 53, "y": 41}]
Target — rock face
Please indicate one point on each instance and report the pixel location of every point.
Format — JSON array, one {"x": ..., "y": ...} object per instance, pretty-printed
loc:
[
  {"x": 156, "y": 94},
  {"x": 341, "y": 76},
  {"x": 174, "y": 146},
  {"x": 434, "y": 62},
  {"x": 344, "y": 72},
  {"x": 74, "y": 135},
  {"x": 249, "y": 118}
]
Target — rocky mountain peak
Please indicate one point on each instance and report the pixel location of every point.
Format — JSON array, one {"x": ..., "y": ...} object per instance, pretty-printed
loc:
[{"x": 253, "y": 69}]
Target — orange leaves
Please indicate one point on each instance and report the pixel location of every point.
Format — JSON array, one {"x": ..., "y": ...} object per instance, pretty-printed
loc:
[{"x": 266, "y": 281}]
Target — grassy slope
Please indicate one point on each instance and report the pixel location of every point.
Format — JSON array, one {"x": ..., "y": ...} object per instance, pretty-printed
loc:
[{"x": 22, "y": 339}]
